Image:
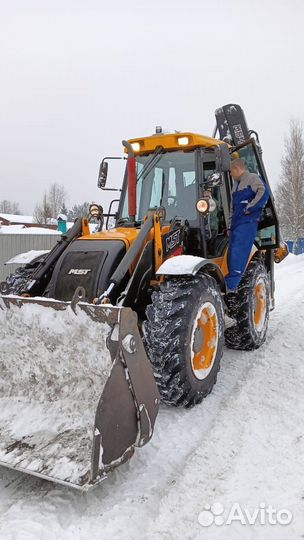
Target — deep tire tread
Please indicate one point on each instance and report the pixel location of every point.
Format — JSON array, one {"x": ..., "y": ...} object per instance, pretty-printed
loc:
[
  {"x": 166, "y": 332},
  {"x": 242, "y": 336}
]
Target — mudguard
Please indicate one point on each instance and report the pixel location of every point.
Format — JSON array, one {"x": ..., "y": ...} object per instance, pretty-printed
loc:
[{"x": 183, "y": 265}]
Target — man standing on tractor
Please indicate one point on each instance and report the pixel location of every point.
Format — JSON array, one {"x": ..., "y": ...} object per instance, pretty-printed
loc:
[{"x": 249, "y": 196}]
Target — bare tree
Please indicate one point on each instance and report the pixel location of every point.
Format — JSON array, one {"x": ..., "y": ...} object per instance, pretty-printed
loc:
[
  {"x": 56, "y": 198},
  {"x": 9, "y": 207},
  {"x": 43, "y": 212},
  {"x": 51, "y": 204},
  {"x": 78, "y": 210},
  {"x": 290, "y": 191}
]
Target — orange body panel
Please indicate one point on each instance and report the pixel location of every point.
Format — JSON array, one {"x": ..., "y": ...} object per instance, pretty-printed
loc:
[
  {"x": 170, "y": 141},
  {"x": 222, "y": 262},
  {"x": 128, "y": 235},
  {"x": 281, "y": 253}
]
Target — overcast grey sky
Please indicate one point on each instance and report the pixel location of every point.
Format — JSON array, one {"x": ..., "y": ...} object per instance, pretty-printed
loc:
[{"x": 79, "y": 76}]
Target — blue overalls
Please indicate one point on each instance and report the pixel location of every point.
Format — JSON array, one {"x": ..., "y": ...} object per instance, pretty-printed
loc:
[{"x": 242, "y": 232}]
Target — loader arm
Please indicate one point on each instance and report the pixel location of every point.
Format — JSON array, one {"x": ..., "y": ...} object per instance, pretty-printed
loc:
[
  {"x": 153, "y": 221},
  {"x": 41, "y": 275}
]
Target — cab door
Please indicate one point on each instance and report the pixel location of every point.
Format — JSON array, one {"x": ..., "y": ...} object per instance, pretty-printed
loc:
[{"x": 268, "y": 236}]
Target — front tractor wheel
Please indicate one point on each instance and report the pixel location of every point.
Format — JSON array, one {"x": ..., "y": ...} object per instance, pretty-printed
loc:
[
  {"x": 184, "y": 338},
  {"x": 249, "y": 307}
]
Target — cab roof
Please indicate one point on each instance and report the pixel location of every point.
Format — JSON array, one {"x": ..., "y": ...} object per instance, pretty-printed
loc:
[{"x": 172, "y": 141}]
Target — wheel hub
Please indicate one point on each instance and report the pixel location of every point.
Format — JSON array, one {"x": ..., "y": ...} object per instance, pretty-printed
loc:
[
  {"x": 204, "y": 340},
  {"x": 260, "y": 295}
]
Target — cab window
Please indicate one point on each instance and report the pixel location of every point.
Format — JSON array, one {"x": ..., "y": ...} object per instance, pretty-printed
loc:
[{"x": 170, "y": 183}]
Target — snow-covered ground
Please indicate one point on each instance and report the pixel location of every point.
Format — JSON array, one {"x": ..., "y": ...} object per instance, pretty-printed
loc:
[{"x": 241, "y": 451}]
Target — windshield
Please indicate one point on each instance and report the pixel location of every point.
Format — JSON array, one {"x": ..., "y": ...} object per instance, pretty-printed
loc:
[{"x": 170, "y": 183}]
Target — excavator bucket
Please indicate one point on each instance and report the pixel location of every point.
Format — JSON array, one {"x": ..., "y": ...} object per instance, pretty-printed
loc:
[{"x": 77, "y": 393}]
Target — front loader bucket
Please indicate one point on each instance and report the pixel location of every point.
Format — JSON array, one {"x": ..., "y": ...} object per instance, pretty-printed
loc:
[{"x": 77, "y": 393}]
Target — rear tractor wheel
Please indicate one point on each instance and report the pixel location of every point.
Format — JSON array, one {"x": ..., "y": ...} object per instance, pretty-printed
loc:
[
  {"x": 184, "y": 338},
  {"x": 249, "y": 307}
]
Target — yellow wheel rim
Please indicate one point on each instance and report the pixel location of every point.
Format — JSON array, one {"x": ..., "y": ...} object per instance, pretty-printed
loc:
[
  {"x": 259, "y": 305},
  {"x": 204, "y": 340}
]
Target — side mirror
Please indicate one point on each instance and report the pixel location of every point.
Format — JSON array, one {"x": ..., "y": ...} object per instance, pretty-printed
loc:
[
  {"x": 222, "y": 158},
  {"x": 103, "y": 173}
]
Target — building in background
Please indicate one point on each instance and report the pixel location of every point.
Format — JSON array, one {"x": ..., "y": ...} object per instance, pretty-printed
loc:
[
  {"x": 300, "y": 247},
  {"x": 25, "y": 221},
  {"x": 20, "y": 238}
]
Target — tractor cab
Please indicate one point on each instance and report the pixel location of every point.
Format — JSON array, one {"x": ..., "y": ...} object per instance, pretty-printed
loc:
[{"x": 186, "y": 175}]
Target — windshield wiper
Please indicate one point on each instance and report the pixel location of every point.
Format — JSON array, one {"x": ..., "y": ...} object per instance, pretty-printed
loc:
[{"x": 148, "y": 166}]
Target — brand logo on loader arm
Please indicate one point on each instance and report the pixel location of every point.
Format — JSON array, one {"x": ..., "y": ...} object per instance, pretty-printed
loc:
[
  {"x": 80, "y": 271},
  {"x": 172, "y": 240}
]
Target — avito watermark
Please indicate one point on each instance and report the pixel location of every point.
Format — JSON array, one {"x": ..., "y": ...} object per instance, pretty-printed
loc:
[{"x": 263, "y": 514}]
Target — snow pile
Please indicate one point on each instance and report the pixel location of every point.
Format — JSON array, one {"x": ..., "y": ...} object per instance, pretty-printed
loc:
[
  {"x": 27, "y": 257},
  {"x": 53, "y": 367},
  {"x": 20, "y": 229},
  {"x": 17, "y": 218},
  {"x": 11, "y": 229},
  {"x": 181, "y": 264}
]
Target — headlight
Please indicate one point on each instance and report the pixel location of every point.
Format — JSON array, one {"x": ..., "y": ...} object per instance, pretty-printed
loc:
[
  {"x": 212, "y": 205},
  {"x": 183, "y": 141},
  {"x": 135, "y": 146},
  {"x": 205, "y": 206}
]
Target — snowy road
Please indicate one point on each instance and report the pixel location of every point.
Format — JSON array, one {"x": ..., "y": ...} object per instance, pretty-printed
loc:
[{"x": 244, "y": 444}]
